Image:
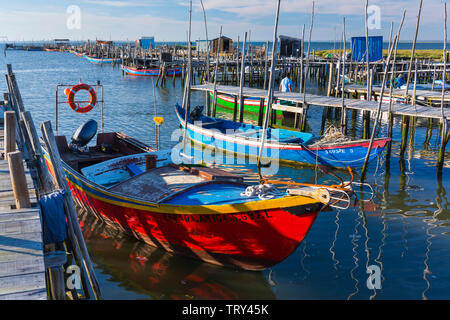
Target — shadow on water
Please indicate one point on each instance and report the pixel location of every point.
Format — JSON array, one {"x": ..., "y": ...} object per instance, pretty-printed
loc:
[{"x": 157, "y": 274}]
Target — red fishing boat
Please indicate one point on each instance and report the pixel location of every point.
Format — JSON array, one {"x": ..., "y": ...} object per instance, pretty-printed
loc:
[{"x": 201, "y": 212}]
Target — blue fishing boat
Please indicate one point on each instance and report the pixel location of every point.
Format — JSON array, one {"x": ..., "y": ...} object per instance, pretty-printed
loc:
[
  {"x": 285, "y": 145},
  {"x": 102, "y": 60}
]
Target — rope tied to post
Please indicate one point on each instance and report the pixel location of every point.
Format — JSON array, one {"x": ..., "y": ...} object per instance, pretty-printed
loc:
[{"x": 53, "y": 217}]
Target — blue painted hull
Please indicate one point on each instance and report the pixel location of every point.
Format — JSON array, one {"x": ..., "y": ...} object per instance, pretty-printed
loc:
[
  {"x": 100, "y": 61},
  {"x": 285, "y": 145}
]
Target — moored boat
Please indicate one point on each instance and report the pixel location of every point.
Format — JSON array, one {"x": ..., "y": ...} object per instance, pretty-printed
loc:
[
  {"x": 51, "y": 49},
  {"x": 284, "y": 145},
  {"x": 197, "y": 211},
  {"x": 225, "y": 103},
  {"x": 78, "y": 54},
  {"x": 98, "y": 60},
  {"x": 150, "y": 72}
]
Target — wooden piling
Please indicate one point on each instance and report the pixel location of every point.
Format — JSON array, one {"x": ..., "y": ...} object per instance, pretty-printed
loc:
[
  {"x": 10, "y": 132},
  {"x": 241, "y": 83},
  {"x": 18, "y": 180},
  {"x": 74, "y": 226}
]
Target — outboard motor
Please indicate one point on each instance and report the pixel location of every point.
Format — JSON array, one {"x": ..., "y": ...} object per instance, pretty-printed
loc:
[
  {"x": 196, "y": 113},
  {"x": 83, "y": 135}
]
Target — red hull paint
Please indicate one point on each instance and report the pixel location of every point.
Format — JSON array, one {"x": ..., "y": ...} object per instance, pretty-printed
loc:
[{"x": 252, "y": 241}]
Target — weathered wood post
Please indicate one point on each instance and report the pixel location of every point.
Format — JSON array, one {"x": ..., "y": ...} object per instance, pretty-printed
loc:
[
  {"x": 391, "y": 88},
  {"x": 10, "y": 132},
  {"x": 241, "y": 84},
  {"x": 18, "y": 180},
  {"x": 444, "y": 138},
  {"x": 218, "y": 48},
  {"x": 72, "y": 220},
  {"x": 344, "y": 110},
  {"x": 261, "y": 112},
  {"x": 378, "y": 116}
]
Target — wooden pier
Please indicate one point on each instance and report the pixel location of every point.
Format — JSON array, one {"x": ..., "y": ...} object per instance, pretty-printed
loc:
[
  {"x": 34, "y": 258},
  {"x": 430, "y": 97},
  {"x": 22, "y": 266},
  {"x": 398, "y": 109}
]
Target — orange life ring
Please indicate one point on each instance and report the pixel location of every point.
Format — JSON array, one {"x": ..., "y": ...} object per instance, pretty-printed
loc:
[{"x": 71, "y": 96}]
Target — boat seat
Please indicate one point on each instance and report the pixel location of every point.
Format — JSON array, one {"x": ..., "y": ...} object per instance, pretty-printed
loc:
[{"x": 133, "y": 169}]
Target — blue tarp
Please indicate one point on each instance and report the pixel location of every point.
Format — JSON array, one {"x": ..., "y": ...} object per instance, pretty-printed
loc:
[
  {"x": 147, "y": 43},
  {"x": 54, "y": 218},
  {"x": 359, "y": 48}
]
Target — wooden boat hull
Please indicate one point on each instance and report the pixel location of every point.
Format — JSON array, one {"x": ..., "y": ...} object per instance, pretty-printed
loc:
[
  {"x": 246, "y": 236},
  {"x": 349, "y": 154},
  {"x": 150, "y": 72},
  {"x": 162, "y": 274},
  {"x": 101, "y": 61},
  {"x": 225, "y": 103}
]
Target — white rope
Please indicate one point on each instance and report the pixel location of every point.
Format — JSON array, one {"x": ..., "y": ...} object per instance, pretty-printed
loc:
[{"x": 262, "y": 191}]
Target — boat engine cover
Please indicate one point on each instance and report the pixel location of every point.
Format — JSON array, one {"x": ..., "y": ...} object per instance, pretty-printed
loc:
[
  {"x": 84, "y": 134},
  {"x": 196, "y": 113}
]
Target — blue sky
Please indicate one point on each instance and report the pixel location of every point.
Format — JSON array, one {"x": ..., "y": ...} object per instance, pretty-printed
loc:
[{"x": 167, "y": 20}]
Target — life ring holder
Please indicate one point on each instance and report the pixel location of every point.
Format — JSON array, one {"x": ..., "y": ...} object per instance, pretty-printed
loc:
[{"x": 70, "y": 92}]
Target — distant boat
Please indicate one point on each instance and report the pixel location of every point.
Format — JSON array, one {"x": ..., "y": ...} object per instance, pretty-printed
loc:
[
  {"x": 205, "y": 213},
  {"x": 78, "y": 54},
  {"x": 102, "y": 60},
  {"x": 33, "y": 48},
  {"x": 153, "y": 72},
  {"x": 286, "y": 145},
  {"x": 51, "y": 50}
]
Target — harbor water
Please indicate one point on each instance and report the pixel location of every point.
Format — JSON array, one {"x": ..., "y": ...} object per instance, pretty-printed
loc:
[{"x": 403, "y": 234}]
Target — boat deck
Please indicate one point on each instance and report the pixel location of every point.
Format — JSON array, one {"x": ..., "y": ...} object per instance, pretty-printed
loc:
[{"x": 155, "y": 184}]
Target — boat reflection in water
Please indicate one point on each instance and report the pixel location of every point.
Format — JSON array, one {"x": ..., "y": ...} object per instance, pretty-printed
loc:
[{"x": 146, "y": 270}]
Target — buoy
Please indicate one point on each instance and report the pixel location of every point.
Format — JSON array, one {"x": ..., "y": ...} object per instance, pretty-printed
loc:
[
  {"x": 71, "y": 97},
  {"x": 158, "y": 120}
]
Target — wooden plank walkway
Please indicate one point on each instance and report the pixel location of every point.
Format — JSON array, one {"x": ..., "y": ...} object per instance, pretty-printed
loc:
[
  {"x": 22, "y": 269},
  {"x": 398, "y": 109},
  {"x": 423, "y": 95}
]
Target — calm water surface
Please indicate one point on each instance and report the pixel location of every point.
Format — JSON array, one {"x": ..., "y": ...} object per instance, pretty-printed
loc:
[{"x": 405, "y": 231}]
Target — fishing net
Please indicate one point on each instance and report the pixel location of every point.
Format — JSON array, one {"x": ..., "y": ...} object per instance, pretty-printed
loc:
[{"x": 332, "y": 135}]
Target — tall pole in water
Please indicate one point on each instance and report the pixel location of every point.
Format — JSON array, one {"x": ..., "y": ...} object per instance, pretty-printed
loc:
[
  {"x": 344, "y": 111},
  {"x": 369, "y": 86},
  {"x": 413, "y": 50},
  {"x": 207, "y": 43},
  {"x": 187, "y": 101},
  {"x": 271, "y": 84},
  {"x": 380, "y": 102},
  {"x": 444, "y": 119},
  {"x": 308, "y": 55},
  {"x": 219, "y": 45}
]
